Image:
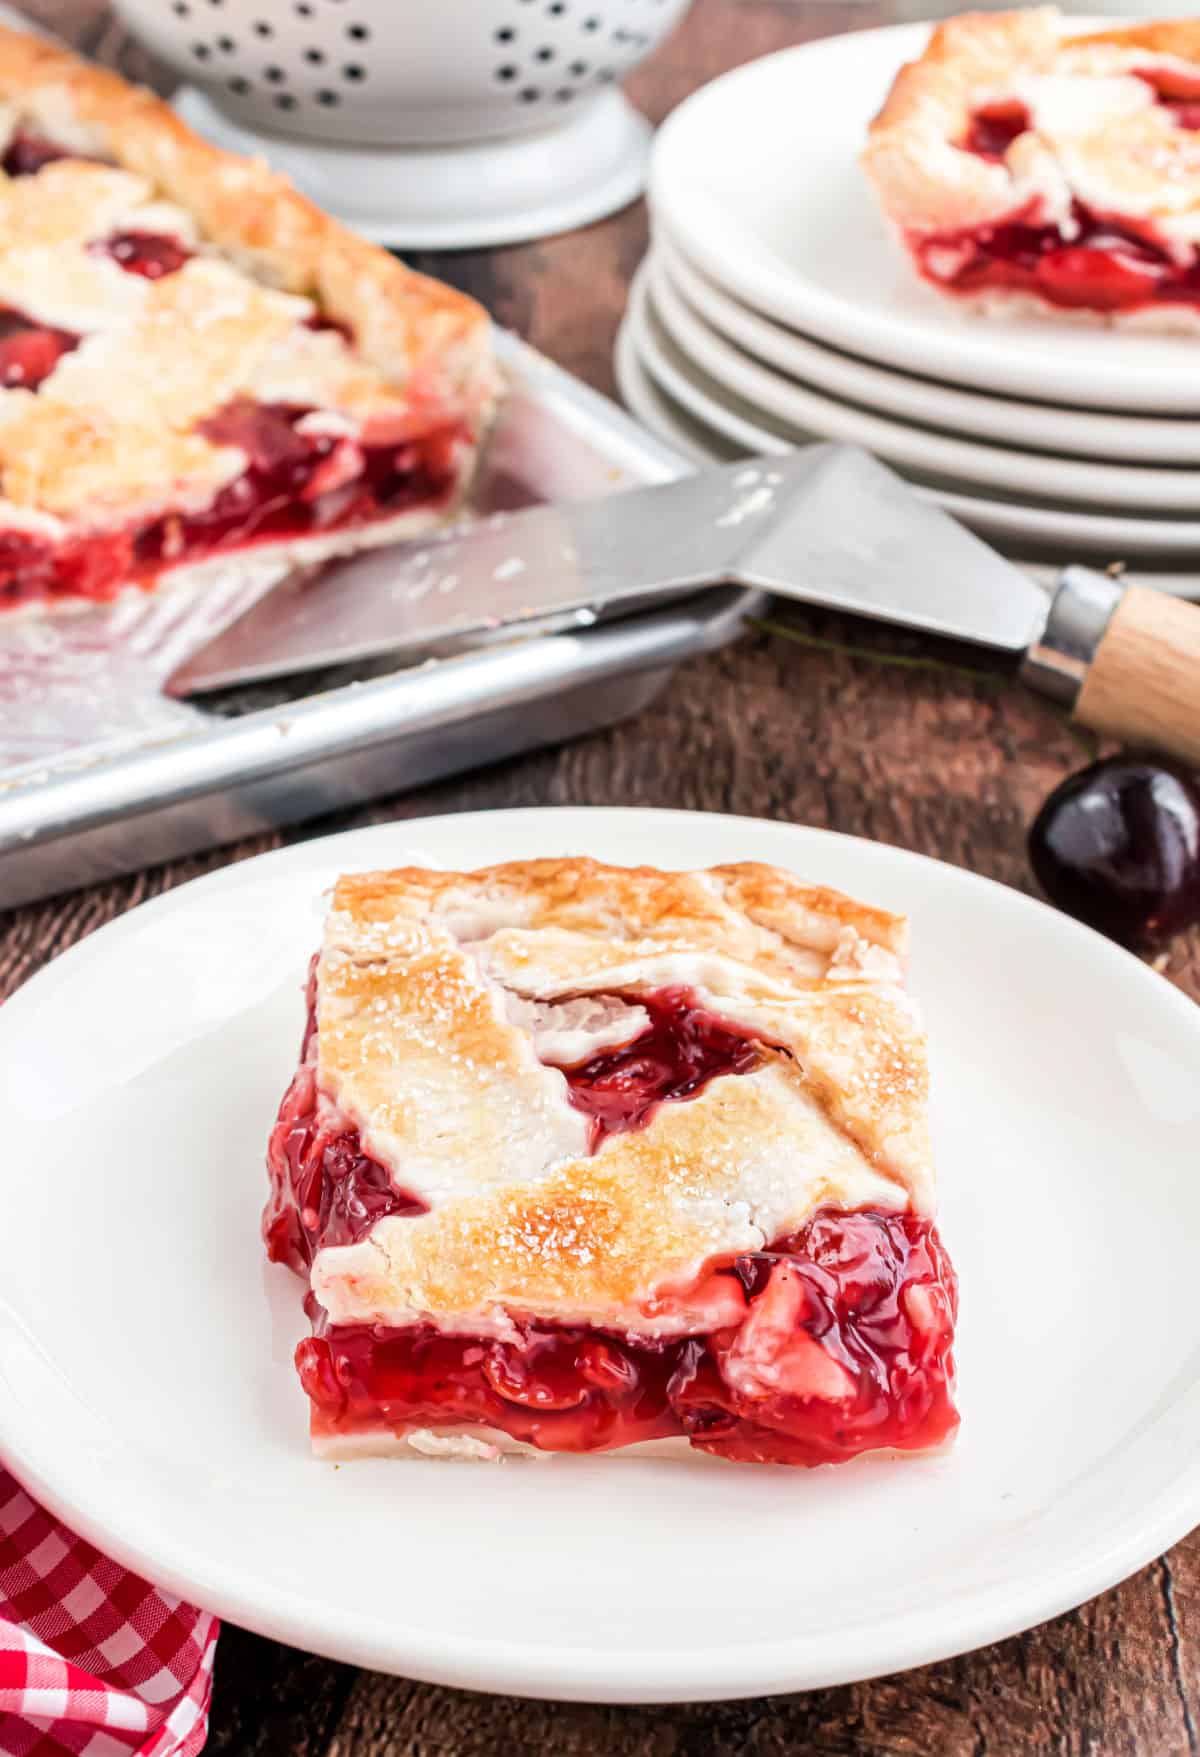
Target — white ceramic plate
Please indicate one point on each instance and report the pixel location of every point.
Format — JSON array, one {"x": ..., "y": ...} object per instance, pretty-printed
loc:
[
  {"x": 146, "y": 1391},
  {"x": 655, "y": 410},
  {"x": 1047, "y": 529},
  {"x": 643, "y": 398},
  {"x": 1027, "y": 425},
  {"x": 757, "y": 176},
  {"x": 995, "y": 469}
]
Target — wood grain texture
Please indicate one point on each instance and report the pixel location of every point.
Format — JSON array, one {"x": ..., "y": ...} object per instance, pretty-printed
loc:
[
  {"x": 952, "y": 763},
  {"x": 1143, "y": 686}
]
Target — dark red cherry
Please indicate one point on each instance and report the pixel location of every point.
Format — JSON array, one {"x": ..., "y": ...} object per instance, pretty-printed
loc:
[
  {"x": 153, "y": 255},
  {"x": 994, "y": 127},
  {"x": 1118, "y": 846}
]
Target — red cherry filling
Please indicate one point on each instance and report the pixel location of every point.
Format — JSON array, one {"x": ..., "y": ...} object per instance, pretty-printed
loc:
[
  {"x": 324, "y": 1189},
  {"x": 994, "y": 127},
  {"x": 26, "y": 153},
  {"x": 29, "y": 351},
  {"x": 296, "y": 484},
  {"x": 844, "y": 1346},
  {"x": 681, "y": 1049},
  {"x": 319, "y": 321},
  {"x": 1177, "y": 91},
  {"x": 152, "y": 255},
  {"x": 1105, "y": 267}
]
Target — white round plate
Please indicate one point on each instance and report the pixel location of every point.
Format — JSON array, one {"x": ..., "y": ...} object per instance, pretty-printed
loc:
[
  {"x": 655, "y": 410},
  {"x": 460, "y": 196},
  {"x": 1029, "y": 426},
  {"x": 757, "y": 177},
  {"x": 996, "y": 469},
  {"x": 1046, "y": 528},
  {"x": 147, "y": 1394}
]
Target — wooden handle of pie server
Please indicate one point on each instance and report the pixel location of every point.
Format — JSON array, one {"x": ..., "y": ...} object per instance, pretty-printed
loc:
[{"x": 1143, "y": 684}]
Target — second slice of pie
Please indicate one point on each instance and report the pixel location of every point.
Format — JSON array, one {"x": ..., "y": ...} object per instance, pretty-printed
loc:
[
  {"x": 582, "y": 1158},
  {"x": 1028, "y": 167}
]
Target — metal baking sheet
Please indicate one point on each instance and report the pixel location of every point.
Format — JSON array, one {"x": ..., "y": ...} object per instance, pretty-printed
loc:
[{"x": 101, "y": 774}]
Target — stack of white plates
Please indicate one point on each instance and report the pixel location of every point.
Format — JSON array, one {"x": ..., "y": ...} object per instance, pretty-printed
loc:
[{"x": 774, "y": 308}]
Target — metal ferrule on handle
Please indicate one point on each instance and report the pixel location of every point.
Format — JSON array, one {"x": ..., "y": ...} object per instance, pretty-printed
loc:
[
  {"x": 1078, "y": 618},
  {"x": 1125, "y": 660}
]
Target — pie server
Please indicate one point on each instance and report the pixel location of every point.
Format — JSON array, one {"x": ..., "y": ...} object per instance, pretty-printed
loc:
[{"x": 827, "y": 525}]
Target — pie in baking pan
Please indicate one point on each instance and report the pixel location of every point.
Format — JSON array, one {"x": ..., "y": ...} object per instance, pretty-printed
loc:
[
  {"x": 581, "y": 1158},
  {"x": 195, "y": 362},
  {"x": 1030, "y": 168}
]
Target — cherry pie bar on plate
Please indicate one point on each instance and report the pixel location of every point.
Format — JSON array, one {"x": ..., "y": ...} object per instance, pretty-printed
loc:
[
  {"x": 1031, "y": 169},
  {"x": 196, "y": 363},
  {"x": 581, "y": 1158}
]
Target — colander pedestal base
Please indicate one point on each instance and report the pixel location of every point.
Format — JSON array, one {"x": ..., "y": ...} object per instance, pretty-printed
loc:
[{"x": 464, "y": 196}]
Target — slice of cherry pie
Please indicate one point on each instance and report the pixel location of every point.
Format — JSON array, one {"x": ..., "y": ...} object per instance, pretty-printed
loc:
[
  {"x": 581, "y": 1158},
  {"x": 1029, "y": 168},
  {"x": 195, "y": 362}
]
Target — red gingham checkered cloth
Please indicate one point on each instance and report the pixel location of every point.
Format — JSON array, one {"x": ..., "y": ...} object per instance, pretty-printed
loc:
[{"x": 93, "y": 1661}]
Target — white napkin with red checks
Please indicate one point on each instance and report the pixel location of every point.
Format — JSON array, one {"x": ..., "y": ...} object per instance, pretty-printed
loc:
[{"x": 93, "y": 1661}]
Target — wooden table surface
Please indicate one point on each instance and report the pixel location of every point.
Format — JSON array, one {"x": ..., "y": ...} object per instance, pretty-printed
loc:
[{"x": 926, "y": 758}]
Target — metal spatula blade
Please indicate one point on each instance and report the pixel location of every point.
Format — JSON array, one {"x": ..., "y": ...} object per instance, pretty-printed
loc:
[{"x": 828, "y": 525}]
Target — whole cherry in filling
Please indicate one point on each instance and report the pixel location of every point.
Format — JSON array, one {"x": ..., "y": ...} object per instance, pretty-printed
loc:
[
  {"x": 1176, "y": 90},
  {"x": 993, "y": 128},
  {"x": 27, "y": 152},
  {"x": 152, "y": 255},
  {"x": 29, "y": 351},
  {"x": 325, "y": 1189}
]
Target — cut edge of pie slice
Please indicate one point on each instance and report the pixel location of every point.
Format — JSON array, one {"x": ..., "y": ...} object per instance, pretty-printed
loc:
[
  {"x": 198, "y": 367},
  {"x": 583, "y": 1158},
  {"x": 1030, "y": 169}
]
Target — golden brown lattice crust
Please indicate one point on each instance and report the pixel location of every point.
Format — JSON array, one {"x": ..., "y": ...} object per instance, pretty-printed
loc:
[
  {"x": 973, "y": 52},
  {"x": 427, "y": 985},
  {"x": 415, "y": 331},
  {"x": 749, "y": 910},
  {"x": 1124, "y": 157}
]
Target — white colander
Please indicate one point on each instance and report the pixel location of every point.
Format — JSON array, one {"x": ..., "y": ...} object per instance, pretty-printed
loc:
[{"x": 504, "y": 112}]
